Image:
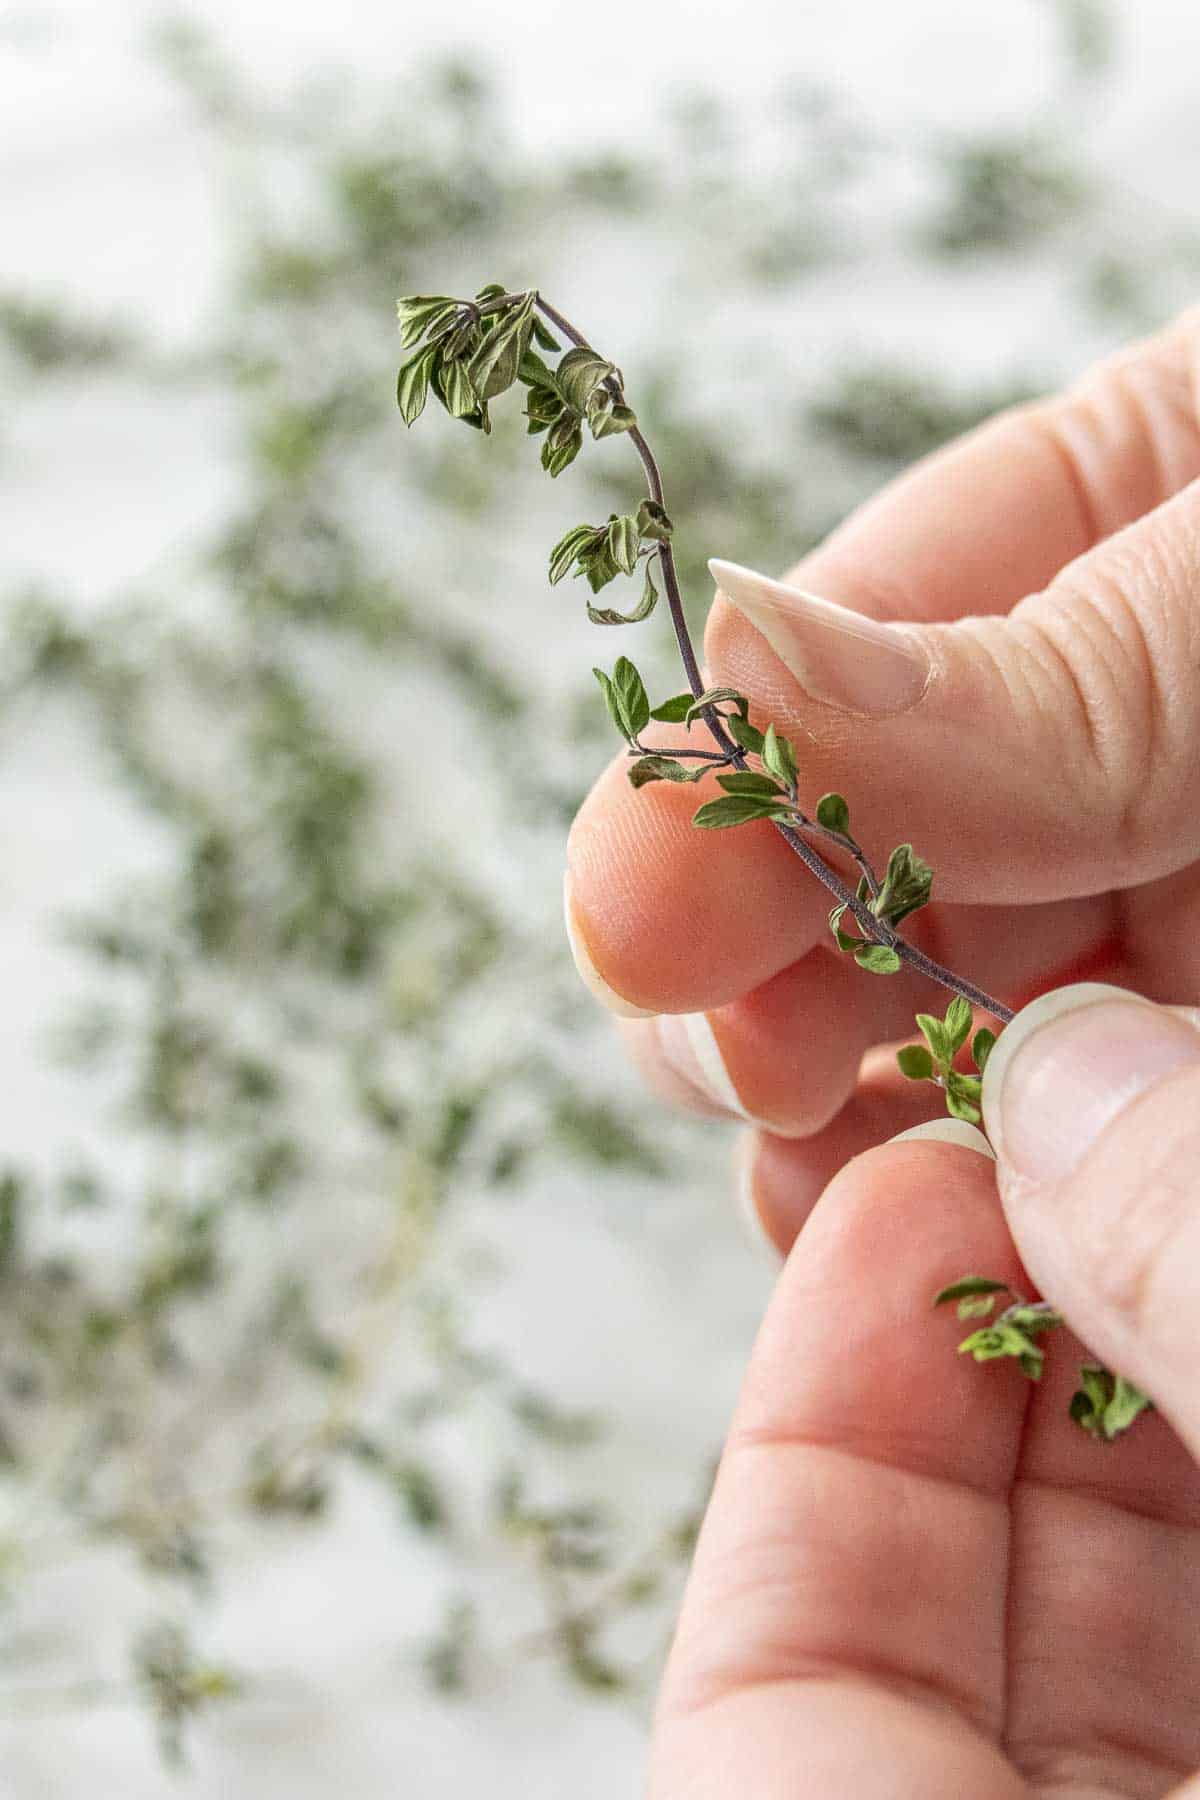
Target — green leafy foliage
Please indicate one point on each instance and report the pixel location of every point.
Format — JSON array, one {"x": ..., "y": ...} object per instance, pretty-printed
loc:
[
  {"x": 1105, "y": 1405},
  {"x": 945, "y": 1038}
]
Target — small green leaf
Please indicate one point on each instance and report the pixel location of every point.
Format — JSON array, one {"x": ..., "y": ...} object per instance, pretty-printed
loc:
[
  {"x": 960, "y": 1108},
  {"x": 675, "y": 710},
  {"x": 933, "y": 1031},
  {"x": 419, "y": 312},
  {"x": 454, "y": 389},
  {"x": 976, "y": 1306},
  {"x": 412, "y": 385},
  {"x": 568, "y": 548},
  {"x": 879, "y": 959},
  {"x": 1126, "y": 1404},
  {"x": 631, "y": 696},
  {"x": 610, "y": 700},
  {"x": 957, "y": 1023},
  {"x": 906, "y": 885},
  {"x": 543, "y": 408},
  {"x": 663, "y": 768},
  {"x": 1032, "y": 1316},
  {"x": 915, "y": 1062},
  {"x": 844, "y": 940},
  {"x": 744, "y": 733},
  {"x": 611, "y": 420},
  {"x": 624, "y": 542},
  {"x": 999, "y": 1339},
  {"x": 746, "y": 781},
  {"x": 543, "y": 336},
  {"x": 493, "y": 367},
  {"x": 735, "y": 809},
  {"x": 604, "y": 615},
  {"x": 718, "y": 696},
  {"x": 1106, "y": 1404},
  {"x": 596, "y": 563},
  {"x": 833, "y": 813},
  {"x": 653, "y": 522},
  {"x": 983, "y": 1045},
  {"x": 579, "y": 372},
  {"x": 970, "y": 1284},
  {"x": 968, "y": 1087},
  {"x": 563, "y": 444},
  {"x": 780, "y": 758}
]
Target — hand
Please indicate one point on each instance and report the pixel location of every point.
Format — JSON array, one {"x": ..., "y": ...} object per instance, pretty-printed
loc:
[
  {"x": 1041, "y": 752},
  {"x": 916, "y": 1580}
]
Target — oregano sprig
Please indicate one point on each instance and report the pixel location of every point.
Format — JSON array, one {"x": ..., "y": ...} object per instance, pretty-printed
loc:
[{"x": 470, "y": 352}]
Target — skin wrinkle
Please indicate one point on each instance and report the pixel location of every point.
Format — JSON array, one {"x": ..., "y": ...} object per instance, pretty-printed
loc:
[{"x": 708, "y": 1686}]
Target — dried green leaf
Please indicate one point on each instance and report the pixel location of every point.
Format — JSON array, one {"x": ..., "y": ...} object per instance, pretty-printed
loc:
[
  {"x": 624, "y": 541},
  {"x": 419, "y": 313},
  {"x": 612, "y": 419},
  {"x": 412, "y": 385},
  {"x": 653, "y": 522},
  {"x": 563, "y": 444},
  {"x": 543, "y": 336},
  {"x": 454, "y": 389},
  {"x": 718, "y": 696},
  {"x": 843, "y": 939},
  {"x": 663, "y": 768},
  {"x": 579, "y": 373},
  {"x": 606, "y": 616},
  {"x": 675, "y": 710},
  {"x": 568, "y": 547},
  {"x": 493, "y": 367}
]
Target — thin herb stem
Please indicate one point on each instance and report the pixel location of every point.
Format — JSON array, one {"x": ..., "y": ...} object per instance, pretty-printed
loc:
[{"x": 877, "y": 930}]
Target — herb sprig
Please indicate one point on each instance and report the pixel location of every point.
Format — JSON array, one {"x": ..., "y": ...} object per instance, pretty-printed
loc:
[{"x": 470, "y": 352}]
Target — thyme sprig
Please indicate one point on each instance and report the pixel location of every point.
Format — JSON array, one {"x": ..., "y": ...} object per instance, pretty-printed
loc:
[{"x": 468, "y": 353}]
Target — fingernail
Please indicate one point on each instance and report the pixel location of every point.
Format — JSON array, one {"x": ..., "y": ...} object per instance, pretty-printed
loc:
[
  {"x": 588, "y": 972},
  {"x": 688, "y": 1043},
  {"x": 1067, "y": 1065},
  {"x": 839, "y": 657},
  {"x": 745, "y": 1152},
  {"x": 948, "y": 1131}
]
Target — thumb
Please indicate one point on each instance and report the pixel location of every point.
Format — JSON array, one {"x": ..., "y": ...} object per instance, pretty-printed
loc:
[
  {"x": 1048, "y": 752},
  {"x": 1092, "y": 1102}
]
